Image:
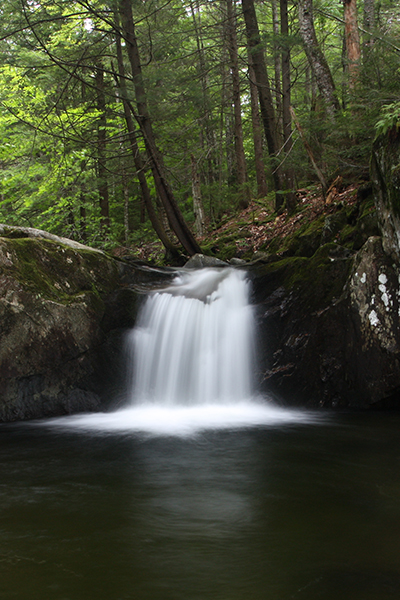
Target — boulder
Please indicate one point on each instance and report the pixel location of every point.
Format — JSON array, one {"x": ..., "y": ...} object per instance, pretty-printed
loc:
[
  {"x": 385, "y": 175},
  {"x": 53, "y": 308}
]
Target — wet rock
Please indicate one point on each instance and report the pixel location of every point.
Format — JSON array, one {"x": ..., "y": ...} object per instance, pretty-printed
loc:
[
  {"x": 53, "y": 331},
  {"x": 200, "y": 261},
  {"x": 329, "y": 327},
  {"x": 385, "y": 175}
]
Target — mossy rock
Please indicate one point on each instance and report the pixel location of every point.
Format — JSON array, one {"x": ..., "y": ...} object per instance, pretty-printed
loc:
[
  {"x": 54, "y": 271},
  {"x": 316, "y": 282},
  {"x": 53, "y": 299}
]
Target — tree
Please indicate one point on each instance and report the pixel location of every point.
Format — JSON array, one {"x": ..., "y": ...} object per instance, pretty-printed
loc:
[
  {"x": 236, "y": 93},
  {"x": 262, "y": 188},
  {"x": 101, "y": 148},
  {"x": 264, "y": 93},
  {"x": 352, "y": 41},
  {"x": 286, "y": 103},
  {"x": 316, "y": 59},
  {"x": 139, "y": 165},
  {"x": 174, "y": 215}
]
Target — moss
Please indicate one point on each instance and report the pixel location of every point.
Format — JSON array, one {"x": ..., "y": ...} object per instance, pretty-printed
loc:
[
  {"x": 303, "y": 242},
  {"x": 346, "y": 237},
  {"x": 227, "y": 251},
  {"x": 54, "y": 271},
  {"x": 317, "y": 281}
]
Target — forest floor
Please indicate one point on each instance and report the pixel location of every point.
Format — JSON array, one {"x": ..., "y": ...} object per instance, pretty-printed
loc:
[{"x": 256, "y": 227}]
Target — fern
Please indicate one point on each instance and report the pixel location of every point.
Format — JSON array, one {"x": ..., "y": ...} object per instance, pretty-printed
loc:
[{"x": 389, "y": 119}]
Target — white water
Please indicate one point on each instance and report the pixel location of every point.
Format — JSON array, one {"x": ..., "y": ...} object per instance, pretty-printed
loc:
[
  {"x": 195, "y": 348},
  {"x": 193, "y": 356}
]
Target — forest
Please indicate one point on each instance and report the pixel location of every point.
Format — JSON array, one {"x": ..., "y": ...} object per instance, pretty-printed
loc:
[{"x": 128, "y": 121}]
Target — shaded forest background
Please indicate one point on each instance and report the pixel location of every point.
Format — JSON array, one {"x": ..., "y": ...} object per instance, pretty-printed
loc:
[{"x": 126, "y": 121}]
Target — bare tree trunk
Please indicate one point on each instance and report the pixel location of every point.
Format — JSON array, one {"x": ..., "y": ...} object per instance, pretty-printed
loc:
[
  {"x": 286, "y": 102},
  {"x": 353, "y": 47},
  {"x": 82, "y": 221},
  {"x": 262, "y": 188},
  {"x": 240, "y": 160},
  {"x": 175, "y": 218},
  {"x": 207, "y": 132},
  {"x": 199, "y": 224},
  {"x": 125, "y": 188},
  {"x": 264, "y": 93},
  {"x": 278, "y": 71},
  {"x": 316, "y": 59},
  {"x": 369, "y": 22},
  {"x": 101, "y": 150},
  {"x": 154, "y": 220}
]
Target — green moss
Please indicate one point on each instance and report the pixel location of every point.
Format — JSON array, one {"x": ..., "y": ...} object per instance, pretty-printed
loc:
[
  {"x": 346, "y": 237},
  {"x": 303, "y": 242},
  {"x": 54, "y": 271},
  {"x": 317, "y": 281}
]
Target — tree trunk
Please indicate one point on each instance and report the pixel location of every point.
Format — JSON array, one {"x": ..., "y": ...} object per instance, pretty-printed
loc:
[
  {"x": 262, "y": 188},
  {"x": 278, "y": 70},
  {"x": 240, "y": 160},
  {"x": 369, "y": 22},
  {"x": 199, "y": 224},
  {"x": 352, "y": 41},
  {"x": 125, "y": 188},
  {"x": 101, "y": 150},
  {"x": 286, "y": 102},
  {"x": 207, "y": 133},
  {"x": 154, "y": 220},
  {"x": 316, "y": 59},
  {"x": 264, "y": 93},
  {"x": 175, "y": 218}
]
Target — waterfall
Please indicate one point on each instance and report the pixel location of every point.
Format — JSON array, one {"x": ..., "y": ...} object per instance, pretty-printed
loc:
[
  {"x": 191, "y": 359},
  {"x": 194, "y": 342}
]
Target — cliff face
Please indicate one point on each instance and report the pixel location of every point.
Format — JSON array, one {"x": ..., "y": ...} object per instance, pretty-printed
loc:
[{"x": 329, "y": 327}]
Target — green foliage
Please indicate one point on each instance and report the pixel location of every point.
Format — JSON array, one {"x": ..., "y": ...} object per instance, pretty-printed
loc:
[
  {"x": 389, "y": 118},
  {"x": 50, "y": 116}
]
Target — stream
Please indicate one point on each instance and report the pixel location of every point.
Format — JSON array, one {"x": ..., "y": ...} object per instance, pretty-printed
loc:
[{"x": 298, "y": 510}]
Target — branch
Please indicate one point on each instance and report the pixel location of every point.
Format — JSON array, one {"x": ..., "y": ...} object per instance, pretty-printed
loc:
[{"x": 339, "y": 20}]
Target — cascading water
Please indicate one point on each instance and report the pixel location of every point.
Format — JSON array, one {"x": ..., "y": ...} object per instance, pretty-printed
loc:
[
  {"x": 194, "y": 341},
  {"x": 191, "y": 360}
]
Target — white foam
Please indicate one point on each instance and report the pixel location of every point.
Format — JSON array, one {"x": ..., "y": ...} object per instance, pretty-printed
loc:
[{"x": 183, "y": 421}]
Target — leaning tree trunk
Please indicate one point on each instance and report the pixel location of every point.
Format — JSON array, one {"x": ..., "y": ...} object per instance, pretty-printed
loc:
[
  {"x": 174, "y": 215},
  {"x": 264, "y": 93},
  {"x": 316, "y": 59},
  {"x": 154, "y": 220}
]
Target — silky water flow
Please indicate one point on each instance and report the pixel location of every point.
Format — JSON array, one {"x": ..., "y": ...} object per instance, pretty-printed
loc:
[{"x": 191, "y": 362}]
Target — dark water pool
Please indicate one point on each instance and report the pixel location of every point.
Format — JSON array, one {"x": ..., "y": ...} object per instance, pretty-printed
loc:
[{"x": 300, "y": 512}]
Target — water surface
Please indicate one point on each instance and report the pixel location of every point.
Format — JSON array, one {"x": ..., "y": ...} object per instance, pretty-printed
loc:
[{"x": 290, "y": 510}]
